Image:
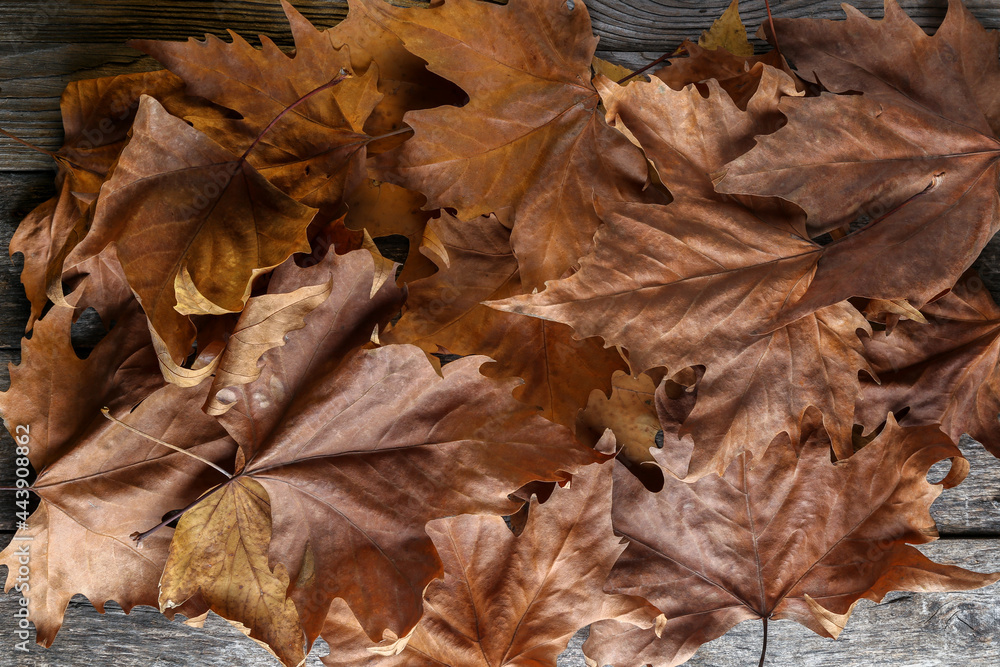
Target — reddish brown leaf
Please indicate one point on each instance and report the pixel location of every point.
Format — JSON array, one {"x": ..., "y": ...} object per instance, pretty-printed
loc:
[
  {"x": 508, "y": 600},
  {"x": 335, "y": 284},
  {"x": 192, "y": 224},
  {"x": 736, "y": 74},
  {"x": 944, "y": 370},
  {"x": 915, "y": 155},
  {"x": 693, "y": 283},
  {"x": 793, "y": 536},
  {"x": 307, "y": 140},
  {"x": 403, "y": 78},
  {"x": 357, "y": 455}
]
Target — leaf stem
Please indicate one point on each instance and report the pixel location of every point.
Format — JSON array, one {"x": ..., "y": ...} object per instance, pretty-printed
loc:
[
  {"x": 107, "y": 414},
  {"x": 55, "y": 156},
  {"x": 763, "y": 650},
  {"x": 648, "y": 67},
  {"x": 402, "y": 130},
  {"x": 774, "y": 35},
  {"x": 326, "y": 86},
  {"x": 139, "y": 537}
]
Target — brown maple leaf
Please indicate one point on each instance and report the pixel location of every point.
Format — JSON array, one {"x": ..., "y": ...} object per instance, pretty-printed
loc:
[
  {"x": 517, "y": 600},
  {"x": 915, "y": 155},
  {"x": 476, "y": 264},
  {"x": 222, "y": 539},
  {"x": 530, "y": 140},
  {"x": 793, "y": 536},
  {"x": 97, "y": 482},
  {"x": 944, "y": 370},
  {"x": 303, "y": 134},
  {"x": 383, "y": 209},
  {"x": 355, "y": 456},
  {"x": 192, "y": 224},
  {"x": 736, "y": 74},
  {"x": 44, "y": 237},
  {"x": 97, "y": 116},
  {"x": 403, "y": 78},
  {"x": 695, "y": 283}
]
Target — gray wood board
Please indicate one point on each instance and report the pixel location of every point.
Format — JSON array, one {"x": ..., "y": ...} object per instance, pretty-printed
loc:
[{"x": 906, "y": 629}]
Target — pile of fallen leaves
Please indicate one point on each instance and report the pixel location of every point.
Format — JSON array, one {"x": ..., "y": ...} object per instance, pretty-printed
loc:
[{"x": 708, "y": 329}]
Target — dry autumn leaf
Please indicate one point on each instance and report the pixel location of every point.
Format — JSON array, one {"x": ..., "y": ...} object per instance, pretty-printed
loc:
[
  {"x": 530, "y": 140},
  {"x": 716, "y": 273},
  {"x": 944, "y": 371},
  {"x": 192, "y": 224},
  {"x": 97, "y": 117},
  {"x": 517, "y": 600},
  {"x": 97, "y": 482},
  {"x": 727, "y": 32},
  {"x": 303, "y": 134},
  {"x": 403, "y": 78},
  {"x": 793, "y": 536},
  {"x": 914, "y": 155},
  {"x": 333, "y": 286},
  {"x": 476, "y": 264},
  {"x": 736, "y": 74},
  {"x": 322, "y": 436}
]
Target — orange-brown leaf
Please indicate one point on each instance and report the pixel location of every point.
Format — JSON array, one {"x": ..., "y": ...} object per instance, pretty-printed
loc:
[{"x": 530, "y": 140}]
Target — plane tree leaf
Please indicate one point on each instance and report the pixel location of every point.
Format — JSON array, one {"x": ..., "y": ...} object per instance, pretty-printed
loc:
[
  {"x": 790, "y": 536},
  {"x": 530, "y": 140},
  {"x": 97, "y": 482},
  {"x": 517, "y": 600},
  {"x": 717, "y": 271},
  {"x": 303, "y": 134},
  {"x": 323, "y": 435},
  {"x": 192, "y": 224},
  {"x": 943, "y": 370},
  {"x": 476, "y": 264},
  {"x": 914, "y": 157}
]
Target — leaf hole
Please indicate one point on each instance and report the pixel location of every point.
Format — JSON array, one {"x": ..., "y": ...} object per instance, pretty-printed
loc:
[{"x": 86, "y": 332}]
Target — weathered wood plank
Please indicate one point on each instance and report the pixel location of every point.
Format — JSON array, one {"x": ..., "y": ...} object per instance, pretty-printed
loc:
[
  {"x": 143, "y": 637},
  {"x": 934, "y": 628},
  {"x": 659, "y": 25},
  {"x": 627, "y": 25},
  {"x": 973, "y": 507},
  {"x": 43, "y": 46}
]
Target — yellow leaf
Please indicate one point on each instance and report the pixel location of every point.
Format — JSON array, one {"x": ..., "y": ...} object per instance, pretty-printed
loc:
[
  {"x": 610, "y": 70},
  {"x": 220, "y": 551},
  {"x": 728, "y": 32}
]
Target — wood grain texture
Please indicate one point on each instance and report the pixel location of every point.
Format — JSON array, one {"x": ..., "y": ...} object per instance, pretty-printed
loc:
[
  {"x": 45, "y": 45},
  {"x": 659, "y": 25}
]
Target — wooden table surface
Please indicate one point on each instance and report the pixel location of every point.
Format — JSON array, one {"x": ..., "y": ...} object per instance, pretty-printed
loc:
[{"x": 44, "y": 44}]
